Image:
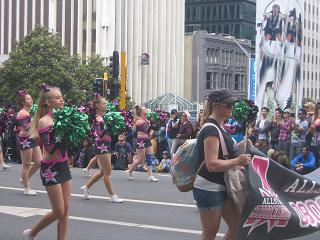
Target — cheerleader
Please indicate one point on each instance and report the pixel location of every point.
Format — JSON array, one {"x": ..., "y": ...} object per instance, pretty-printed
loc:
[
  {"x": 28, "y": 147},
  {"x": 102, "y": 149},
  {"x": 144, "y": 146},
  {"x": 54, "y": 171}
]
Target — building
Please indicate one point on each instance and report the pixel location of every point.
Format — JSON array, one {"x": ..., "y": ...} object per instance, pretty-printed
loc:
[
  {"x": 90, "y": 27},
  {"x": 232, "y": 17},
  {"x": 311, "y": 56},
  {"x": 215, "y": 61}
]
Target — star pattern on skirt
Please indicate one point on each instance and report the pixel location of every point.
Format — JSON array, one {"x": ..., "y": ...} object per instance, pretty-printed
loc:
[
  {"x": 141, "y": 144},
  {"x": 103, "y": 148},
  {"x": 49, "y": 175},
  {"x": 25, "y": 143}
]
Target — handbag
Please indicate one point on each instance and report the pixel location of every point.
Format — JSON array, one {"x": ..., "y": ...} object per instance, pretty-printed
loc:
[{"x": 235, "y": 178}]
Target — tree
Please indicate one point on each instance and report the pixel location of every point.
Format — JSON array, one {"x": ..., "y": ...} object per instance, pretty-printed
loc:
[{"x": 40, "y": 58}]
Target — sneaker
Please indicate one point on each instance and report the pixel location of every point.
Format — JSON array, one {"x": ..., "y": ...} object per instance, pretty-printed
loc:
[
  {"x": 130, "y": 175},
  {"x": 29, "y": 192},
  {"x": 86, "y": 172},
  {"x": 5, "y": 167},
  {"x": 114, "y": 198},
  {"x": 26, "y": 235},
  {"x": 153, "y": 179},
  {"x": 85, "y": 192}
]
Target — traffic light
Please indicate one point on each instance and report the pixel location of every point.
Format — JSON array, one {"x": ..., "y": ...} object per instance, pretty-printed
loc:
[
  {"x": 98, "y": 86},
  {"x": 114, "y": 65}
]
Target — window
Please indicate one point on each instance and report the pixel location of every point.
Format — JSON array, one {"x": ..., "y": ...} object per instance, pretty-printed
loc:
[
  {"x": 223, "y": 84},
  {"x": 188, "y": 14},
  {"x": 208, "y": 12},
  {"x": 209, "y": 81},
  {"x": 226, "y": 28},
  {"x": 231, "y": 8},
  {"x": 214, "y": 12},
  {"x": 237, "y": 82},
  {"x": 219, "y": 29},
  {"x": 225, "y": 13},
  {"x": 214, "y": 80},
  {"x": 223, "y": 56},
  {"x": 220, "y": 12},
  {"x": 238, "y": 12},
  {"x": 216, "y": 56},
  {"x": 203, "y": 13},
  {"x": 194, "y": 13},
  {"x": 208, "y": 55}
]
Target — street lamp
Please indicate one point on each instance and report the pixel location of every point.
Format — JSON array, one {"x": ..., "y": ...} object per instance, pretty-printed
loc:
[{"x": 248, "y": 56}]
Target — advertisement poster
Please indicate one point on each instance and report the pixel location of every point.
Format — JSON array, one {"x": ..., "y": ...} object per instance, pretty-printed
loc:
[{"x": 279, "y": 53}]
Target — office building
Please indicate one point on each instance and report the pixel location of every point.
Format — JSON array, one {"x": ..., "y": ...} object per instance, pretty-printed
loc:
[
  {"x": 90, "y": 27},
  {"x": 232, "y": 17}
]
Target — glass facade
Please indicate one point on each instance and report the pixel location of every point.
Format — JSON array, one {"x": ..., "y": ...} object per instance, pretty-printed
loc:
[{"x": 236, "y": 18}]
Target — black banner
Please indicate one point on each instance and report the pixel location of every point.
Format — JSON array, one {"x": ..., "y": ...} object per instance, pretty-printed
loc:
[{"x": 280, "y": 204}]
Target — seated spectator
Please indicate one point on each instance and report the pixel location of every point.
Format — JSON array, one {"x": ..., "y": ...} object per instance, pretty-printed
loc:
[
  {"x": 258, "y": 145},
  {"x": 280, "y": 157},
  {"x": 85, "y": 154},
  {"x": 165, "y": 163},
  {"x": 304, "y": 162},
  {"x": 123, "y": 153}
]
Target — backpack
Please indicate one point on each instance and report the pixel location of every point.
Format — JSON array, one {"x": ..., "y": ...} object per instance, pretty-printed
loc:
[{"x": 184, "y": 167}]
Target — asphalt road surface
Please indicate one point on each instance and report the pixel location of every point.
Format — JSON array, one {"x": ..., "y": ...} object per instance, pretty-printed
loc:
[{"x": 152, "y": 211}]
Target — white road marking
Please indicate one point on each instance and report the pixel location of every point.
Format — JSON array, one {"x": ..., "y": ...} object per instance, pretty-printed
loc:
[
  {"x": 29, "y": 212},
  {"x": 108, "y": 198}
]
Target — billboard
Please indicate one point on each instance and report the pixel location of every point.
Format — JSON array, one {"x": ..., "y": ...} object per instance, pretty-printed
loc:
[
  {"x": 279, "y": 53},
  {"x": 252, "y": 80}
]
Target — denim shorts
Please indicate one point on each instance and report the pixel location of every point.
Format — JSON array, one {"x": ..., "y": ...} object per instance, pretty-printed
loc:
[{"x": 208, "y": 200}]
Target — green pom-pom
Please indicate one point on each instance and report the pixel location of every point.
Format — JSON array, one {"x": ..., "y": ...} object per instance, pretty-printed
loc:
[
  {"x": 70, "y": 126},
  {"x": 115, "y": 123},
  {"x": 33, "y": 109},
  {"x": 241, "y": 111},
  {"x": 245, "y": 111}
]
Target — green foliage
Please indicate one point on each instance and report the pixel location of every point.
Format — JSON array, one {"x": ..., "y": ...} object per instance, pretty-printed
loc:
[
  {"x": 40, "y": 58},
  {"x": 129, "y": 103}
]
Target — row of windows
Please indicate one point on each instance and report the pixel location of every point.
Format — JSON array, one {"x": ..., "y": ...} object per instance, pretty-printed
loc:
[
  {"x": 310, "y": 59},
  {"x": 314, "y": 10},
  {"x": 312, "y": 93},
  {"x": 309, "y": 25},
  {"x": 311, "y": 42},
  {"x": 227, "y": 81},
  {"x": 226, "y": 57},
  {"x": 313, "y": 75},
  {"x": 220, "y": 12}
]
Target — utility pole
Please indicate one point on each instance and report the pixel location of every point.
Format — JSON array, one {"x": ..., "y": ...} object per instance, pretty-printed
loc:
[{"x": 123, "y": 57}]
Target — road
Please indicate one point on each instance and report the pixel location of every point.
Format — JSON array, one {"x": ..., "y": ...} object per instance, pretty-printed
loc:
[{"x": 151, "y": 210}]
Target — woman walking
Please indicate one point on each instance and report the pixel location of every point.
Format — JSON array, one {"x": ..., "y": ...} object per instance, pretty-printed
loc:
[
  {"x": 209, "y": 188},
  {"x": 144, "y": 146},
  {"x": 28, "y": 147},
  {"x": 55, "y": 173},
  {"x": 102, "y": 149}
]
